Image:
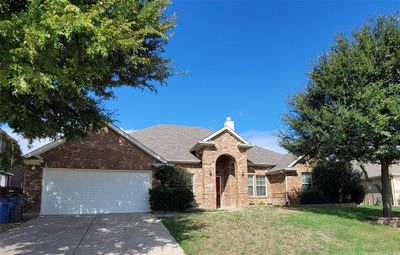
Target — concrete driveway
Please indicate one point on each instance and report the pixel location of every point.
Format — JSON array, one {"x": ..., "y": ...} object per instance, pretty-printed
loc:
[{"x": 90, "y": 234}]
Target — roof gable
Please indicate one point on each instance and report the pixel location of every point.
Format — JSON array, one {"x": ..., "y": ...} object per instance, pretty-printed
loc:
[
  {"x": 36, "y": 153},
  {"x": 222, "y": 130}
]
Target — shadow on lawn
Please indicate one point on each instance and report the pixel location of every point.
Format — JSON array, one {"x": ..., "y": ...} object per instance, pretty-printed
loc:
[
  {"x": 181, "y": 227},
  {"x": 357, "y": 213}
]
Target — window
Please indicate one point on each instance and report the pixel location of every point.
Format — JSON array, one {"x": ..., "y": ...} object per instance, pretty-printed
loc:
[
  {"x": 190, "y": 182},
  {"x": 306, "y": 181},
  {"x": 261, "y": 186},
  {"x": 250, "y": 185}
]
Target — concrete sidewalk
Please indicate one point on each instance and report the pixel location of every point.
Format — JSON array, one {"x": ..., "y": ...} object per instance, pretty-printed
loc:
[{"x": 90, "y": 234}]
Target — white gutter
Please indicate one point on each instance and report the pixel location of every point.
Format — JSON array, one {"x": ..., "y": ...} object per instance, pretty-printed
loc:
[
  {"x": 295, "y": 162},
  {"x": 245, "y": 146},
  {"x": 201, "y": 144}
]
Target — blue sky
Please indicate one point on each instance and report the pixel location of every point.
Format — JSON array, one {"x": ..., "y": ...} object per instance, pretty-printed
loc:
[{"x": 242, "y": 59}]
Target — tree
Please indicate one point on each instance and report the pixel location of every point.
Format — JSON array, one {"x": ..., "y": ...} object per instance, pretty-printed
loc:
[
  {"x": 350, "y": 109},
  {"x": 10, "y": 153},
  {"x": 61, "y": 59},
  {"x": 338, "y": 181}
]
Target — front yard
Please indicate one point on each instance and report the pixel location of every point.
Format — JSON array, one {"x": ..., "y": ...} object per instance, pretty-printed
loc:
[{"x": 274, "y": 230}]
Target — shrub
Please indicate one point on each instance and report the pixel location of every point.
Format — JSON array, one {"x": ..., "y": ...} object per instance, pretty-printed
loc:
[
  {"x": 338, "y": 181},
  {"x": 174, "y": 192},
  {"x": 164, "y": 198},
  {"x": 357, "y": 194},
  {"x": 312, "y": 196}
]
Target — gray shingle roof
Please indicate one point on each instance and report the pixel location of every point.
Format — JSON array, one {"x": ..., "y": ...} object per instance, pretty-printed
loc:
[
  {"x": 173, "y": 143},
  {"x": 258, "y": 155},
  {"x": 374, "y": 170},
  {"x": 284, "y": 161}
]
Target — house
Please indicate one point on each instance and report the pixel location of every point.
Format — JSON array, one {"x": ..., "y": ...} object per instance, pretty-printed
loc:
[
  {"x": 374, "y": 173},
  {"x": 5, "y": 176},
  {"x": 110, "y": 171}
]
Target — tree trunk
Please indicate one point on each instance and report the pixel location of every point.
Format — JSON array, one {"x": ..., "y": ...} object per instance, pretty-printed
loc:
[{"x": 386, "y": 189}]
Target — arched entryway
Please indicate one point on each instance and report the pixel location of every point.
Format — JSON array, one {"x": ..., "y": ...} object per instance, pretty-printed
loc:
[{"x": 226, "y": 182}]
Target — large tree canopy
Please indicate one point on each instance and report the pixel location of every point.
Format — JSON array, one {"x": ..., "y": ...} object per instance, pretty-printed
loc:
[
  {"x": 60, "y": 59},
  {"x": 350, "y": 110}
]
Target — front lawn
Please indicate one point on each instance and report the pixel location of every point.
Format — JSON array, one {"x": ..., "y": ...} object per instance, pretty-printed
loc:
[{"x": 274, "y": 230}]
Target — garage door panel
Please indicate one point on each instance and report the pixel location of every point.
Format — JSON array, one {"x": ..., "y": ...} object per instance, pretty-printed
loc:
[{"x": 68, "y": 191}]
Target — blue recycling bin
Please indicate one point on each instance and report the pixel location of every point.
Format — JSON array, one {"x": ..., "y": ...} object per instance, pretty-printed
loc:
[
  {"x": 18, "y": 208},
  {"x": 11, "y": 204},
  {"x": 4, "y": 211}
]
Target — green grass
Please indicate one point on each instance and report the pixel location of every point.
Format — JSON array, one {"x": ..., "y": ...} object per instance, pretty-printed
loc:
[{"x": 272, "y": 230}]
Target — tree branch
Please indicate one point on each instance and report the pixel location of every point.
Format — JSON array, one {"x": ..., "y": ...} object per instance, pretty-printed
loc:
[{"x": 369, "y": 179}]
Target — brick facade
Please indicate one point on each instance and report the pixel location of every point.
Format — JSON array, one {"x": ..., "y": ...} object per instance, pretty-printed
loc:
[
  {"x": 104, "y": 149},
  {"x": 225, "y": 145},
  {"x": 107, "y": 149}
]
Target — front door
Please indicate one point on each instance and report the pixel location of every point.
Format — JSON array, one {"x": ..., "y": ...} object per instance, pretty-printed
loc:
[{"x": 218, "y": 190}]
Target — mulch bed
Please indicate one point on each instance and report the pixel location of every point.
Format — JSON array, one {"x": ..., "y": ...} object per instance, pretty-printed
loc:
[{"x": 393, "y": 221}]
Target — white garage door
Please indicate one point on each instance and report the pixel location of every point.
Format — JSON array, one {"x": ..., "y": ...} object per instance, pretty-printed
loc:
[{"x": 72, "y": 191}]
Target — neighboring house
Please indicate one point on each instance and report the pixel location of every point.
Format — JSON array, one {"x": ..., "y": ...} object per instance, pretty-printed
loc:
[
  {"x": 374, "y": 173},
  {"x": 110, "y": 171},
  {"x": 5, "y": 177}
]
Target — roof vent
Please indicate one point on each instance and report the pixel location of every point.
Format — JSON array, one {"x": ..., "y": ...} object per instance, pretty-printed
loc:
[{"x": 230, "y": 123}]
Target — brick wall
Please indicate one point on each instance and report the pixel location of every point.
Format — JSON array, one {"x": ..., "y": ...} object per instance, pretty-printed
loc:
[
  {"x": 198, "y": 184},
  {"x": 259, "y": 170},
  {"x": 226, "y": 144},
  {"x": 104, "y": 149}
]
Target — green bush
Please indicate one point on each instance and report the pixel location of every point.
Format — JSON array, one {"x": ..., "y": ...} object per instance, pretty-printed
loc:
[
  {"x": 164, "y": 198},
  {"x": 338, "y": 181},
  {"x": 357, "y": 194},
  {"x": 312, "y": 196},
  {"x": 174, "y": 192}
]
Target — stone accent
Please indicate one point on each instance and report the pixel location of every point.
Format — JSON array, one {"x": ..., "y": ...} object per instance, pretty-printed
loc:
[
  {"x": 104, "y": 149},
  {"x": 225, "y": 144}
]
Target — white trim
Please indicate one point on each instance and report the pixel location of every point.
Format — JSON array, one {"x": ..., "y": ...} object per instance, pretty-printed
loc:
[
  {"x": 6, "y": 173},
  {"x": 99, "y": 170},
  {"x": 266, "y": 186},
  {"x": 44, "y": 148},
  {"x": 200, "y": 144},
  {"x": 283, "y": 171},
  {"x": 295, "y": 162},
  {"x": 228, "y": 129},
  {"x": 245, "y": 146},
  {"x": 136, "y": 142},
  {"x": 185, "y": 162},
  {"x": 252, "y": 178},
  {"x": 51, "y": 145},
  {"x": 302, "y": 180}
]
